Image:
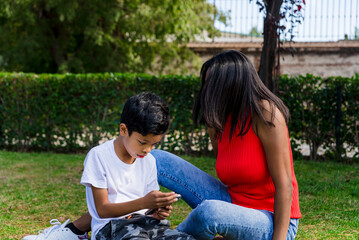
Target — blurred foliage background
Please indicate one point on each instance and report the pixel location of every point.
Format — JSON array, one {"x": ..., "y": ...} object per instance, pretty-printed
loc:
[{"x": 78, "y": 36}]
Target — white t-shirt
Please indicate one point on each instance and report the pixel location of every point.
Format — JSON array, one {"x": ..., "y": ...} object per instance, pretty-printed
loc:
[{"x": 124, "y": 182}]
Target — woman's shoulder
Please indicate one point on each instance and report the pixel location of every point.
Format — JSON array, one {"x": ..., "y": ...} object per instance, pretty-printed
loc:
[
  {"x": 270, "y": 117},
  {"x": 270, "y": 112}
]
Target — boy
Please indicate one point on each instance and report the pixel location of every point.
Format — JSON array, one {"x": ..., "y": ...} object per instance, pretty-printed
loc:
[{"x": 121, "y": 178}]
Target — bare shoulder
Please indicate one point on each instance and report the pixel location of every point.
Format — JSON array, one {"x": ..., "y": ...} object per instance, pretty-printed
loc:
[
  {"x": 270, "y": 134},
  {"x": 271, "y": 113}
]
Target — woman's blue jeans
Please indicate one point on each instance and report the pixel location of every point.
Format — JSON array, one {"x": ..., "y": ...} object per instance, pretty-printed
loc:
[{"x": 213, "y": 211}]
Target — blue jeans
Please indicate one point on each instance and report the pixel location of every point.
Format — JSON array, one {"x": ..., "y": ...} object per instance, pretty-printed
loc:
[{"x": 213, "y": 211}]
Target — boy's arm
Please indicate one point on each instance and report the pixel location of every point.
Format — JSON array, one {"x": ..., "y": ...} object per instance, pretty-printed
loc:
[{"x": 154, "y": 199}]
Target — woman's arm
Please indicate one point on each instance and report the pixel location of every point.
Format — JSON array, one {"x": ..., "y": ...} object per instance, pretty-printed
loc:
[
  {"x": 213, "y": 136},
  {"x": 154, "y": 199},
  {"x": 276, "y": 147}
]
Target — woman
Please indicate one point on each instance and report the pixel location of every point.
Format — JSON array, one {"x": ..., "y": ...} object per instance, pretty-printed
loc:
[{"x": 257, "y": 197}]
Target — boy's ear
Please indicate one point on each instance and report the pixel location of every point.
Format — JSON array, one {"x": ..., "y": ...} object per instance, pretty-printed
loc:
[{"x": 123, "y": 129}]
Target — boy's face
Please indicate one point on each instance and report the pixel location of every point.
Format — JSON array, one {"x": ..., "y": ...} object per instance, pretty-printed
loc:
[{"x": 137, "y": 145}]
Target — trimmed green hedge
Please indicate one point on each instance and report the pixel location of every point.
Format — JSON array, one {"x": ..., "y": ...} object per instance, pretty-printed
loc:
[
  {"x": 76, "y": 111},
  {"x": 324, "y": 113},
  {"x": 72, "y": 112}
]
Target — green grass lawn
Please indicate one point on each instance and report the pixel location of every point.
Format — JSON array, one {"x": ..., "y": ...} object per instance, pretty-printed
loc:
[{"x": 37, "y": 187}]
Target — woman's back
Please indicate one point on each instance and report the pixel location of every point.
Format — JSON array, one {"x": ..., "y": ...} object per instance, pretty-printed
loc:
[{"x": 242, "y": 166}]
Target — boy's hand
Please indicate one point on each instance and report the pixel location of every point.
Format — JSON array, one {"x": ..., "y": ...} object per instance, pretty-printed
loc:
[
  {"x": 162, "y": 213},
  {"x": 157, "y": 199}
]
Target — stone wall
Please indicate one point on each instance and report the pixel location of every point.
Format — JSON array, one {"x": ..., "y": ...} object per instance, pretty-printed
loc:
[{"x": 318, "y": 58}]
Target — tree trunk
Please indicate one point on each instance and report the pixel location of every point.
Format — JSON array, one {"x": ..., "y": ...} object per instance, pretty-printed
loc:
[
  {"x": 313, "y": 150},
  {"x": 269, "y": 49}
]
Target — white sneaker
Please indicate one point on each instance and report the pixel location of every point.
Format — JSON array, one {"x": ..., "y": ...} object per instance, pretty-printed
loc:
[{"x": 57, "y": 232}]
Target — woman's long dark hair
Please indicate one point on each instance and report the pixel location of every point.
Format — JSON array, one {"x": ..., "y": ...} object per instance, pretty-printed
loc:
[{"x": 232, "y": 88}]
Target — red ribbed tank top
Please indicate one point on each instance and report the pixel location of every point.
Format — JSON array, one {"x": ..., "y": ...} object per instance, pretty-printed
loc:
[{"x": 242, "y": 166}]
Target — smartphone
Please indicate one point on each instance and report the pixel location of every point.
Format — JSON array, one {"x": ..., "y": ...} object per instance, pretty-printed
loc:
[{"x": 151, "y": 211}]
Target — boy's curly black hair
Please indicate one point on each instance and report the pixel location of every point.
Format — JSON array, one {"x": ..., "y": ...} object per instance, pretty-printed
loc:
[{"x": 146, "y": 113}]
